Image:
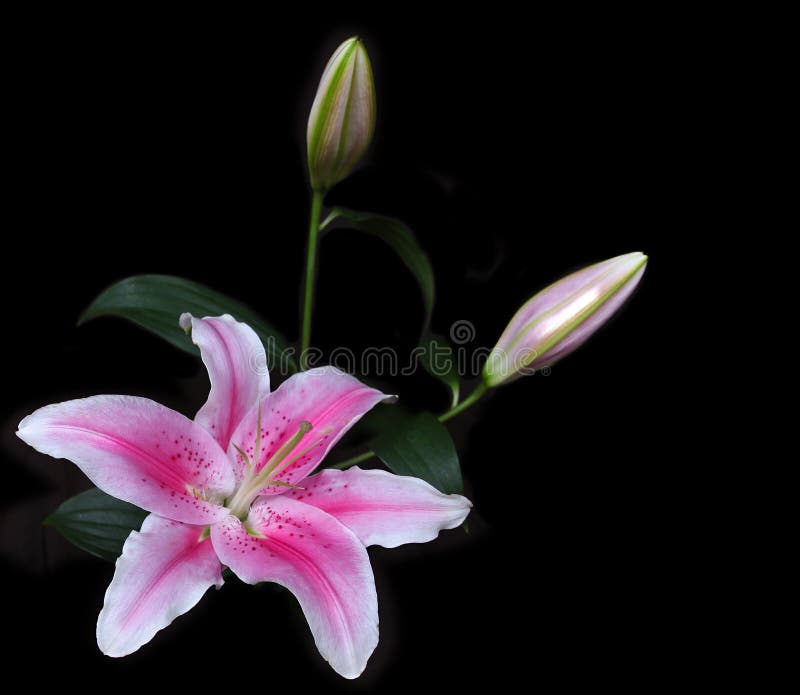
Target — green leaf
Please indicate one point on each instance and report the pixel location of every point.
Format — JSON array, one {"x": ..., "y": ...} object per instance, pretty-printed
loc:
[
  {"x": 155, "y": 302},
  {"x": 438, "y": 360},
  {"x": 97, "y": 522},
  {"x": 402, "y": 241},
  {"x": 420, "y": 445}
]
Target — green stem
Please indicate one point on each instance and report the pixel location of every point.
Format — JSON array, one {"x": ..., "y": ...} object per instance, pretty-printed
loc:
[
  {"x": 444, "y": 417},
  {"x": 466, "y": 403},
  {"x": 311, "y": 269},
  {"x": 366, "y": 456}
]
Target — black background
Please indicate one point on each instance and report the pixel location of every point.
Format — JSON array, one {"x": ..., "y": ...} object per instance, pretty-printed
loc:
[{"x": 517, "y": 151}]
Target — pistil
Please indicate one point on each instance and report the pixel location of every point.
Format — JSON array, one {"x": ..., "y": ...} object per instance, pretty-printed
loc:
[{"x": 239, "y": 504}]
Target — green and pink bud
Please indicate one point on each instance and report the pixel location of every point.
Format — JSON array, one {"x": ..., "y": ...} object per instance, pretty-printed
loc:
[
  {"x": 342, "y": 118},
  {"x": 562, "y": 317}
]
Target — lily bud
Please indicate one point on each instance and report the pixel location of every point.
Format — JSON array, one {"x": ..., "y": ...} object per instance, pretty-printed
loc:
[
  {"x": 342, "y": 117},
  {"x": 561, "y": 317}
]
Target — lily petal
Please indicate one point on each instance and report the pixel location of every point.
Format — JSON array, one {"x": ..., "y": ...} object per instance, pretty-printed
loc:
[
  {"x": 382, "y": 508},
  {"x": 139, "y": 451},
  {"x": 237, "y": 367},
  {"x": 329, "y": 399},
  {"x": 320, "y": 561},
  {"x": 163, "y": 571}
]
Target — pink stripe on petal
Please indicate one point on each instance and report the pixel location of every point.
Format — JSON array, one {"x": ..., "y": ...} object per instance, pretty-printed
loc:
[
  {"x": 163, "y": 571},
  {"x": 329, "y": 399},
  {"x": 321, "y": 562},
  {"x": 139, "y": 451},
  {"x": 382, "y": 508},
  {"x": 237, "y": 368}
]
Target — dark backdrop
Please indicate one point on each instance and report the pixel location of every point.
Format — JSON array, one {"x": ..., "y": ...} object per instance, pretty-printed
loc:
[{"x": 517, "y": 153}]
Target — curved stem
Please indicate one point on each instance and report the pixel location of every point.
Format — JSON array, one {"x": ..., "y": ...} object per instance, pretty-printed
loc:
[
  {"x": 466, "y": 403},
  {"x": 311, "y": 269},
  {"x": 333, "y": 215},
  {"x": 444, "y": 417},
  {"x": 366, "y": 456}
]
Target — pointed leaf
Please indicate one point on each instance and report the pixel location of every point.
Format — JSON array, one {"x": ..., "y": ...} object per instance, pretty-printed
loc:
[
  {"x": 97, "y": 522},
  {"x": 402, "y": 241},
  {"x": 155, "y": 302},
  {"x": 419, "y": 445}
]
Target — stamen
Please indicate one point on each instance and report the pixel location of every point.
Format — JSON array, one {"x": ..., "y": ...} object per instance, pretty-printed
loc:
[
  {"x": 283, "y": 483},
  {"x": 258, "y": 438},
  {"x": 242, "y": 454},
  {"x": 240, "y": 502},
  {"x": 303, "y": 429},
  {"x": 288, "y": 462}
]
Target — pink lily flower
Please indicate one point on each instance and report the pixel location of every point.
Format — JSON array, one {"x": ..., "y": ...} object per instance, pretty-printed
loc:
[{"x": 232, "y": 489}]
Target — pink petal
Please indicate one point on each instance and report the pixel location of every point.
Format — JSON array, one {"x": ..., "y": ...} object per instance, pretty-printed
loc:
[
  {"x": 382, "y": 508},
  {"x": 237, "y": 367},
  {"x": 139, "y": 451},
  {"x": 329, "y": 399},
  {"x": 321, "y": 562},
  {"x": 163, "y": 571}
]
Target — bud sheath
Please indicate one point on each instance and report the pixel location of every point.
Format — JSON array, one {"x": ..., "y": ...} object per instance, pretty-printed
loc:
[
  {"x": 562, "y": 317},
  {"x": 342, "y": 118}
]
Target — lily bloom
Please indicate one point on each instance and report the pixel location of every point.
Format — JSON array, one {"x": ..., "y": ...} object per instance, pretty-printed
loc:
[{"x": 231, "y": 488}]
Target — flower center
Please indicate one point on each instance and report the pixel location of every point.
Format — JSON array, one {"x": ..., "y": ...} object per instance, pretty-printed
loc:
[{"x": 254, "y": 480}]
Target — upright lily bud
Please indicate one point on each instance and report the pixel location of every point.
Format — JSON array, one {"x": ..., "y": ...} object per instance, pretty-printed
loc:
[
  {"x": 342, "y": 117},
  {"x": 561, "y": 317}
]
